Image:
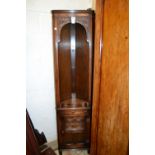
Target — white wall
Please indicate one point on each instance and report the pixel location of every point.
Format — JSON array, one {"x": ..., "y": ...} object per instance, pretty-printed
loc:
[
  {"x": 94, "y": 4},
  {"x": 47, "y": 5},
  {"x": 40, "y": 77}
]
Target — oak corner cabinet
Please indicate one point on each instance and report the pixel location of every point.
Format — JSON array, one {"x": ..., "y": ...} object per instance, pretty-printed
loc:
[{"x": 73, "y": 67}]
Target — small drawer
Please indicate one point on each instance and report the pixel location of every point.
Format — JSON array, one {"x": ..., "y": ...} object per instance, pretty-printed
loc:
[
  {"x": 74, "y": 124},
  {"x": 74, "y": 112}
]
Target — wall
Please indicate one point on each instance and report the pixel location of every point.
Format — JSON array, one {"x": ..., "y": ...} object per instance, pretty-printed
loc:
[
  {"x": 40, "y": 77},
  {"x": 94, "y": 4}
]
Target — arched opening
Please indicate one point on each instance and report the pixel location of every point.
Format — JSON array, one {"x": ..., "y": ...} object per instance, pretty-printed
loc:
[{"x": 73, "y": 56}]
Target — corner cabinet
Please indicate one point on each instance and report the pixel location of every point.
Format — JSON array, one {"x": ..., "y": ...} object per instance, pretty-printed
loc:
[{"x": 73, "y": 65}]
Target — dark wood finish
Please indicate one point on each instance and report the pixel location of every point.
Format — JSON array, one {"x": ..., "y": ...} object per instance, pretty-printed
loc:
[
  {"x": 32, "y": 146},
  {"x": 73, "y": 60},
  {"x": 64, "y": 63},
  {"x": 82, "y": 64},
  {"x": 41, "y": 139},
  {"x": 110, "y": 93}
]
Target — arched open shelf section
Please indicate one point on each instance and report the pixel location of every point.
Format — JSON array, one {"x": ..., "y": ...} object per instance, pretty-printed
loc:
[{"x": 73, "y": 56}]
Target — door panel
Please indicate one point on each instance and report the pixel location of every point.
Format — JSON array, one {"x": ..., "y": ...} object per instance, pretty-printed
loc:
[{"x": 111, "y": 123}]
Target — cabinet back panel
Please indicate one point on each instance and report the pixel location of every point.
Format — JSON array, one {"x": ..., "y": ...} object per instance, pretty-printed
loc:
[
  {"x": 65, "y": 63},
  {"x": 73, "y": 63},
  {"x": 82, "y": 63}
]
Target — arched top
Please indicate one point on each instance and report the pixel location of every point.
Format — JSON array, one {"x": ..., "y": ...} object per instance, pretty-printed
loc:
[
  {"x": 67, "y": 20},
  {"x": 67, "y": 28}
]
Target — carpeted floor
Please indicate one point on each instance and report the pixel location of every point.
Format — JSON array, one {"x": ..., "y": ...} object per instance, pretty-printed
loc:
[{"x": 54, "y": 146}]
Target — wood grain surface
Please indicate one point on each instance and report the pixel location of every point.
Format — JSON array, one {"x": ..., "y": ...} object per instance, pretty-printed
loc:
[
  {"x": 111, "y": 104},
  {"x": 73, "y": 60}
]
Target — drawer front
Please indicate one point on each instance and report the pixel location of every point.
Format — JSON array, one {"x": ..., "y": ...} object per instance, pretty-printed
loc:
[
  {"x": 74, "y": 124},
  {"x": 74, "y": 112}
]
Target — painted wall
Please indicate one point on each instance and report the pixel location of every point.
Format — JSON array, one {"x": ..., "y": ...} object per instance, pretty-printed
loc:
[
  {"x": 40, "y": 75},
  {"x": 94, "y": 4}
]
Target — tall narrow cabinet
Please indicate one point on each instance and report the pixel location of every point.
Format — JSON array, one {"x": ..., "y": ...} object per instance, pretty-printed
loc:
[{"x": 73, "y": 64}]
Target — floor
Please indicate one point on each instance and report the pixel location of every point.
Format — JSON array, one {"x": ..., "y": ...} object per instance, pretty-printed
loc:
[
  {"x": 73, "y": 152},
  {"x": 54, "y": 146}
]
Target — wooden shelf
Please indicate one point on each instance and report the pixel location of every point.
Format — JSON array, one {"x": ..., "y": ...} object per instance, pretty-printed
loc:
[{"x": 75, "y": 103}]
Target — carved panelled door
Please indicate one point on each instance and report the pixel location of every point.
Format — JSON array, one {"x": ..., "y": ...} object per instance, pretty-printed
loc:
[{"x": 110, "y": 90}]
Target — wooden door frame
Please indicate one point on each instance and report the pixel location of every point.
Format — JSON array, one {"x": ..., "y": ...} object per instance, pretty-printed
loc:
[
  {"x": 98, "y": 48},
  {"x": 98, "y": 54}
]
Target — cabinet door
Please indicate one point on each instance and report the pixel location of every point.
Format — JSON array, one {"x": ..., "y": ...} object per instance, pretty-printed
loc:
[
  {"x": 110, "y": 98},
  {"x": 74, "y": 128}
]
